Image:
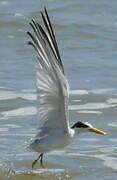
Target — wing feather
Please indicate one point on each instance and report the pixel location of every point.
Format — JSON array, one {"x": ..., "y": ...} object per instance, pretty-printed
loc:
[{"x": 51, "y": 81}]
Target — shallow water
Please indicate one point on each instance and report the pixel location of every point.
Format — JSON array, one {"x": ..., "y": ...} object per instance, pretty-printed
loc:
[{"x": 87, "y": 35}]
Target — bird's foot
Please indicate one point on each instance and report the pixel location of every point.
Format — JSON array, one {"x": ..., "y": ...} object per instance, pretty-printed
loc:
[{"x": 41, "y": 161}]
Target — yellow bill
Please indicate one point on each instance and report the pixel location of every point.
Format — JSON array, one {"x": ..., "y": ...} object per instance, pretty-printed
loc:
[{"x": 98, "y": 131}]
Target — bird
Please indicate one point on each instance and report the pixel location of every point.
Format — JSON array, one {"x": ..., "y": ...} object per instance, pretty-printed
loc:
[{"x": 54, "y": 131}]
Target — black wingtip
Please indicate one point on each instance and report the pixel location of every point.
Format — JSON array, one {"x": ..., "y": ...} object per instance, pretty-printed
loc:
[
  {"x": 30, "y": 23},
  {"x": 42, "y": 14},
  {"x": 28, "y": 33},
  {"x": 33, "y": 20},
  {"x": 29, "y": 43},
  {"x": 45, "y": 9}
]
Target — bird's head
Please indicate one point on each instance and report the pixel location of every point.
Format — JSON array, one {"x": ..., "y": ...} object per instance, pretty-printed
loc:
[{"x": 83, "y": 127}]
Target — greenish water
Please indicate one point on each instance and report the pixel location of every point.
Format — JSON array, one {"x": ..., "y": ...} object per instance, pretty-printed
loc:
[{"x": 87, "y": 35}]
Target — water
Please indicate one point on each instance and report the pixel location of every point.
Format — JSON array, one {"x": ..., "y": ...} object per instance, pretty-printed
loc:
[{"x": 87, "y": 35}]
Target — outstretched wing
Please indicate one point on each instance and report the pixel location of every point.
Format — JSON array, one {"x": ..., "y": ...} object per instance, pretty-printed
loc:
[{"x": 51, "y": 81}]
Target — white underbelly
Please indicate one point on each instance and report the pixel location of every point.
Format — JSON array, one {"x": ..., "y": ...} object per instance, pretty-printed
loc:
[{"x": 51, "y": 142}]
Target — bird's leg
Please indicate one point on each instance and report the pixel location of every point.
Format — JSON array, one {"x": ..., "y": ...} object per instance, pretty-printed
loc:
[
  {"x": 41, "y": 160},
  {"x": 35, "y": 161}
]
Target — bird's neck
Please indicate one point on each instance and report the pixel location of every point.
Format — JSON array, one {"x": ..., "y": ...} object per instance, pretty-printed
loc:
[{"x": 71, "y": 132}]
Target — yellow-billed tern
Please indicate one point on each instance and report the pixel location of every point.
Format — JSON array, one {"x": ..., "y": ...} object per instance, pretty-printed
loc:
[{"x": 55, "y": 131}]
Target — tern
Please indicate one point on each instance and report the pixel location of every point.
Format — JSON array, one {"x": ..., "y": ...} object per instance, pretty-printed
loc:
[{"x": 53, "y": 93}]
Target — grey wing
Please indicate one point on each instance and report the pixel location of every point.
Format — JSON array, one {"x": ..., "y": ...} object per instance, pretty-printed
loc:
[{"x": 51, "y": 81}]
